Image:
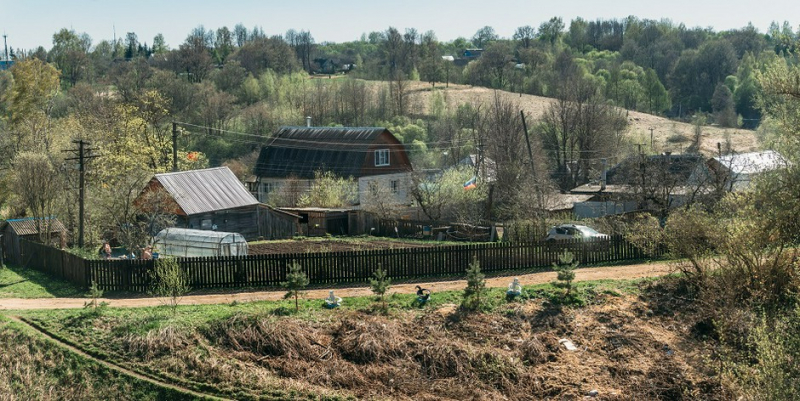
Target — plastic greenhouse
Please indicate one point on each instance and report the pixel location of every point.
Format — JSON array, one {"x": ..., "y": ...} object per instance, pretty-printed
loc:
[{"x": 185, "y": 242}]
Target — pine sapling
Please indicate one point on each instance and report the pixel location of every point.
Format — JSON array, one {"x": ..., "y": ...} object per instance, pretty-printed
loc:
[
  {"x": 380, "y": 284},
  {"x": 296, "y": 281},
  {"x": 565, "y": 269},
  {"x": 476, "y": 286}
]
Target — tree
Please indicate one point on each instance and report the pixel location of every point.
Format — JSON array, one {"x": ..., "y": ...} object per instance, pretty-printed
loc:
[
  {"x": 296, "y": 281},
  {"x": 69, "y": 53},
  {"x": 655, "y": 93},
  {"x": 524, "y": 35},
  {"x": 38, "y": 185},
  {"x": 168, "y": 280},
  {"x": 565, "y": 270},
  {"x": 379, "y": 283},
  {"x": 484, "y": 36},
  {"x": 551, "y": 30},
  {"x": 328, "y": 190},
  {"x": 33, "y": 94},
  {"x": 476, "y": 286},
  {"x": 722, "y": 105}
]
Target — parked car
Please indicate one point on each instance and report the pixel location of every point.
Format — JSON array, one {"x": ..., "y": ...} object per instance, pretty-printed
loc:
[{"x": 573, "y": 231}]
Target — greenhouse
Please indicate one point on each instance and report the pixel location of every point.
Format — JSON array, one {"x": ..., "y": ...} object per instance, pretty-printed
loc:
[{"x": 183, "y": 242}]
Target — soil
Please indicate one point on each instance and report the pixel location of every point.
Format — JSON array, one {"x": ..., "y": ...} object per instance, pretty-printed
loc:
[
  {"x": 308, "y": 246},
  {"x": 582, "y": 274}
]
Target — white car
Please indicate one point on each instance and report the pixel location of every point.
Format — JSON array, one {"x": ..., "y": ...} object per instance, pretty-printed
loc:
[{"x": 573, "y": 231}]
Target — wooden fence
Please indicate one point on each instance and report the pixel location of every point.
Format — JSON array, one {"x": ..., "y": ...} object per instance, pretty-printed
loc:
[{"x": 328, "y": 267}]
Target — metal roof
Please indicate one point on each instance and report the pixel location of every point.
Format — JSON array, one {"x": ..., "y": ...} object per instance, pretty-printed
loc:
[
  {"x": 679, "y": 166},
  {"x": 207, "y": 190},
  {"x": 300, "y": 151},
  {"x": 27, "y": 226},
  {"x": 753, "y": 162}
]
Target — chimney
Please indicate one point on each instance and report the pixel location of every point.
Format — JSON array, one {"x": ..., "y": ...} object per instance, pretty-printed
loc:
[
  {"x": 308, "y": 121},
  {"x": 603, "y": 176}
]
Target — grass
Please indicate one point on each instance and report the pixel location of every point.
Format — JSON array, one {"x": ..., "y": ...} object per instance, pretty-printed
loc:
[
  {"x": 360, "y": 240},
  {"x": 34, "y": 368},
  {"x": 18, "y": 282}
]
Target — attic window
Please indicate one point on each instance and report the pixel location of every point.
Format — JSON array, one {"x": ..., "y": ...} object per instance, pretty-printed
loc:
[{"x": 382, "y": 157}]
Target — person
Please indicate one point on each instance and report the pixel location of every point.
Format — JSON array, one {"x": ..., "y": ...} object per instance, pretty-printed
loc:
[
  {"x": 147, "y": 253},
  {"x": 107, "y": 250}
]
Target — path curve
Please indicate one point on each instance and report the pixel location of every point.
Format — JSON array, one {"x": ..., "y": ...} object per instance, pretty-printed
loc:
[
  {"x": 582, "y": 274},
  {"x": 113, "y": 366}
]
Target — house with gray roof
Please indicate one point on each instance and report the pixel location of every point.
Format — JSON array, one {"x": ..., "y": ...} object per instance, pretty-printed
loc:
[
  {"x": 372, "y": 156},
  {"x": 737, "y": 170},
  {"x": 214, "y": 199}
]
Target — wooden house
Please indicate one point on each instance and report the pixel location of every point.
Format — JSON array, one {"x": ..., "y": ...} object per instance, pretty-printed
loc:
[
  {"x": 372, "y": 156},
  {"x": 15, "y": 230},
  {"x": 214, "y": 199}
]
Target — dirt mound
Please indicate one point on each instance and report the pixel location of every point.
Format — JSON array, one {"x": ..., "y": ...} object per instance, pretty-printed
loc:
[{"x": 621, "y": 351}]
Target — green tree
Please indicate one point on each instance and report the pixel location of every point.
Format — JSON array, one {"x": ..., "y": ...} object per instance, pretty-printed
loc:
[
  {"x": 484, "y": 36},
  {"x": 296, "y": 281},
  {"x": 38, "y": 186},
  {"x": 33, "y": 94},
  {"x": 565, "y": 270},
  {"x": 655, "y": 93},
  {"x": 379, "y": 284},
  {"x": 328, "y": 190},
  {"x": 476, "y": 286},
  {"x": 168, "y": 280}
]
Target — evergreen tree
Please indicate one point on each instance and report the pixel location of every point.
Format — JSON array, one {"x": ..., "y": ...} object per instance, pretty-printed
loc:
[
  {"x": 296, "y": 280},
  {"x": 380, "y": 284},
  {"x": 566, "y": 270},
  {"x": 476, "y": 286}
]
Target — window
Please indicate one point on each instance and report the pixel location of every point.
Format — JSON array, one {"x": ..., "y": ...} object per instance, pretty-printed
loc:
[
  {"x": 270, "y": 187},
  {"x": 395, "y": 186},
  {"x": 382, "y": 157}
]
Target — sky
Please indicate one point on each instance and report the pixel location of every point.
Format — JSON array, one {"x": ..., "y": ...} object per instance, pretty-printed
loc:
[{"x": 32, "y": 23}]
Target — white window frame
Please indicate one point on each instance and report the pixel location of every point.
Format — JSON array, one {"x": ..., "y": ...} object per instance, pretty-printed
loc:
[
  {"x": 395, "y": 184},
  {"x": 381, "y": 157}
]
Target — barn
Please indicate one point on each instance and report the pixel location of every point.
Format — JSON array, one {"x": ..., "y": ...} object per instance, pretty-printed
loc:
[{"x": 214, "y": 199}]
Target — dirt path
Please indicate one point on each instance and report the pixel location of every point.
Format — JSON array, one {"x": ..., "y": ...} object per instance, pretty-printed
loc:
[
  {"x": 585, "y": 274},
  {"x": 114, "y": 366}
]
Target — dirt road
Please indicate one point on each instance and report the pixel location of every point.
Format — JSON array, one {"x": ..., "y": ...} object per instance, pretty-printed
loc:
[{"x": 585, "y": 274}]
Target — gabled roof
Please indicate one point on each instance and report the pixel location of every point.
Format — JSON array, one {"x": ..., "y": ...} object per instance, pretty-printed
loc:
[
  {"x": 753, "y": 162},
  {"x": 300, "y": 151},
  {"x": 680, "y": 167},
  {"x": 207, "y": 190},
  {"x": 27, "y": 226}
]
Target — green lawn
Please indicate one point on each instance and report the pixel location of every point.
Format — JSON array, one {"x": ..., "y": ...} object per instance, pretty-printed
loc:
[{"x": 18, "y": 282}]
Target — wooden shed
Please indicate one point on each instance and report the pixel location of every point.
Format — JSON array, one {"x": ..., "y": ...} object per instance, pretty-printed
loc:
[
  {"x": 214, "y": 199},
  {"x": 14, "y": 230},
  {"x": 317, "y": 221}
]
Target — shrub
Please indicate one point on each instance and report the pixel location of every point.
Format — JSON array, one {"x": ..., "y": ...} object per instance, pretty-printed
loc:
[{"x": 169, "y": 281}]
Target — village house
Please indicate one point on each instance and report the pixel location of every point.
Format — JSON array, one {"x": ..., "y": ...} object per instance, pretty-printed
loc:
[
  {"x": 735, "y": 172},
  {"x": 640, "y": 183},
  {"x": 214, "y": 199},
  {"x": 372, "y": 156}
]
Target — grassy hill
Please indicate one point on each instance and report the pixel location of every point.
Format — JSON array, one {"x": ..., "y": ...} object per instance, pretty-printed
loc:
[{"x": 668, "y": 135}]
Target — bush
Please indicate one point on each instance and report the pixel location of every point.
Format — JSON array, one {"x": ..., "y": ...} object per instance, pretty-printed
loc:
[{"x": 169, "y": 281}]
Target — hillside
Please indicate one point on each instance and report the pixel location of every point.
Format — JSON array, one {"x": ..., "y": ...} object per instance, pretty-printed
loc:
[{"x": 668, "y": 135}]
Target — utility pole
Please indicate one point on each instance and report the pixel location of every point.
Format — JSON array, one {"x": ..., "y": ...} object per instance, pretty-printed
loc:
[
  {"x": 174, "y": 146},
  {"x": 539, "y": 199},
  {"x": 84, "y": 153},
  {"x": 652, "y": 149}
]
